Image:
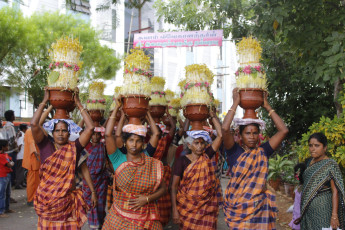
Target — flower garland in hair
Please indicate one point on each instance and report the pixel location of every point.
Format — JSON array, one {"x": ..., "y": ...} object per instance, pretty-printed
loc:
[
  {"x": 249, "y": 70},
  {"x": 96, "y": 101},
  {"x": 61, "y": 64},
  {"x": 139, "y": 72},
  {"x": 160, "y": 93}
]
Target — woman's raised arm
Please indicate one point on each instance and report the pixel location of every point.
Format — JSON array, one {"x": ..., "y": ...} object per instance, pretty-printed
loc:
[
  {"x": 85, "y": 136},
  {"x": 110, "y": 142},
  {"x": 277, "y": 138},
  {"x": 228, "y": 136},
  {"x": 154, "y": 129},
  {"x": 37, "y": 132},
  {"x": 218, "y": 141}
]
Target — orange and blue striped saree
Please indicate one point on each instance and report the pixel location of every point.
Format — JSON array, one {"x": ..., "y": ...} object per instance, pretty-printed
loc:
[
  {"x": 248, "y": 205},
  {"x": 130, "y": 180},
  {"x": 57, "y": 205},
  {"x": 198, "y": 196}
]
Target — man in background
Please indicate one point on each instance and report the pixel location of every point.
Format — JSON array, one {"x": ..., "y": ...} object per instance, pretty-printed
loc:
[
  {"x": 20, "y": 179},
  {"x": 10, "y": 135}
]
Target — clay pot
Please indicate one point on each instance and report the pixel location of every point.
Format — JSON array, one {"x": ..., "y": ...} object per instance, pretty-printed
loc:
[
  {"x": 275, "y": 183},
  {"x": 157, "y": 112},
  {"x": 96, "y": 116},
  {"x": 62, "y": 100},
  {"x": 197, "y": 114},
  {"x": 250, "y": 100},
  {"x": 135, "y": 107},
  {"x": 117, "y": 116}
]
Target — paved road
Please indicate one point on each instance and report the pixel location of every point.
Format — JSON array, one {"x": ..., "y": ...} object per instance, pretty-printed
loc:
[{"x": 25, "y": 217}]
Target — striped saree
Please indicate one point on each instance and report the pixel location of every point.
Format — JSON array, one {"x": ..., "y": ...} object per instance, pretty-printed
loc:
[
  {"x": 247, "y": 204},
  {"x": 56, "y": 204},
  {"x": 316, "y": 201},
  {"x": 132, "y": 179},
  {"x": 164, "y": 203},
  {"x": 96, "y": 164},
  {"x": 198, "y": 196}
]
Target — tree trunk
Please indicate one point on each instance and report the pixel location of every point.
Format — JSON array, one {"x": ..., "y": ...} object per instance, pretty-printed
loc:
[{"x": 338, "y": 86}]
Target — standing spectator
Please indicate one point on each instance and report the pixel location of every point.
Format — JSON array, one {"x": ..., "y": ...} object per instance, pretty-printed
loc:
[
  {"x": 20, "y": 180},
  {"x": 5, "y": 169},
  {"x": 2, "y": 136},
  {"x": 10, "y": 135},
  {"x": 31, "y": 160}
]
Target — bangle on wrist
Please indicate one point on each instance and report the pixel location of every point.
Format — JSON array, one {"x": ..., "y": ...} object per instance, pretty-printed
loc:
[
  {"x": 112, "y": 117},
  {"x": 82, "y": 110},
  {"x": 93, "y": 191},
  {"x": 147, "y": 198},
  {"x": 43, "y": 103},
  {"x": 232, "y": 110},
  {"x": 270, "y": 112}
]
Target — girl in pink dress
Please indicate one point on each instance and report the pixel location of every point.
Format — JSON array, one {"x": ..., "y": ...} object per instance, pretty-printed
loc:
[{"x": 296, "y": 213}]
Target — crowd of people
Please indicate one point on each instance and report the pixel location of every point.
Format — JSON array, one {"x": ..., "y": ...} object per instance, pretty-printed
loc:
[{"x": 127, "y": 176}]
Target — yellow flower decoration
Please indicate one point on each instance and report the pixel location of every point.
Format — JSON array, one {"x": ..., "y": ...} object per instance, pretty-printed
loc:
[{"x": 137, "y": 59}]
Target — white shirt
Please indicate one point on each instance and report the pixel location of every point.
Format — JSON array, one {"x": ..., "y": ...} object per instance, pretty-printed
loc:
[{"x": 20, "y": 141}]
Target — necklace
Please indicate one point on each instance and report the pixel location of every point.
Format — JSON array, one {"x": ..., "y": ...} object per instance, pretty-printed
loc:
[{"x": 313, "y": 160}]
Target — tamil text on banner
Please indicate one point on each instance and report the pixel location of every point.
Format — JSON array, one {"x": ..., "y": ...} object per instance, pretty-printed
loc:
[{"x": 179, "y": 39}]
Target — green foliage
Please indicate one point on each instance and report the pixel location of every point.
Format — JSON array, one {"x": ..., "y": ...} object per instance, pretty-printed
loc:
[
  {"x": 334, "y": 130},
  {"x": 195, "y": 14},
  {"x": 12, "y": 27},
  {"x": 41, "y": 30},
  {"x": 277, "y": 165},
  {"x": 292, "y": 92}
]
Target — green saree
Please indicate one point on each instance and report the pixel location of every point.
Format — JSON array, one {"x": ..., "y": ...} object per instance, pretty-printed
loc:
[{"x": 316, "y": 201}]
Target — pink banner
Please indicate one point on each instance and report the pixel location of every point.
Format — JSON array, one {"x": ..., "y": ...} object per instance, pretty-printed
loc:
[{"x": 179, "y": 39}]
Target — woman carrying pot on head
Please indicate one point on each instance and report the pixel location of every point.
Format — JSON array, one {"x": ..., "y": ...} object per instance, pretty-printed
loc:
[
  {"x": 57, "y": 203},
  {"x": 195, "y": 190},
  {"x": 322, "y": 200},
  {"x": 247, "y": 204},
  {"x": 138, "y": 178},
  {"x": 96, "y": 163}
]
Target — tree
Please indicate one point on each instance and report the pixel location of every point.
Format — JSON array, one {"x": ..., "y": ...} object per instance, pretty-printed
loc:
[
  {"x": 195, "y": 14},
  {"x": 313, "y": 30},
  {"x": 99, "y": 62},
  {"x": 13, "y": 30},
  {"x": 303, "y": 50}
]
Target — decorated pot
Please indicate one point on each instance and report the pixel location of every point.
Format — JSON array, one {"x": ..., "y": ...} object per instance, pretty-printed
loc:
[
  {"x": 197, "y": 114},
  {"x": 96, "y": 116},
  {"x": 157, "y": 112},
  {"x": 62, "y": 100},
  {"x": 135, "y": 107},
  {"x": 250, "y": 100}
]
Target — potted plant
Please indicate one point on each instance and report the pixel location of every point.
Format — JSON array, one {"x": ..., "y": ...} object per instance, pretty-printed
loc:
[
  {"x": 276, "y": 166},
  {"x": 173, "y": 108},
  {"x": 158, "y": 102},
  {"x": 136, "y": 89},
  {"x": 288, "y": 177},
  {"x": 197, "y": 97},
  {"x": 117, "y": 94},
  {"x": 250, "y": 76},
  {"x": 96, "y": 102},
  {"x": 63, "y": 78}
]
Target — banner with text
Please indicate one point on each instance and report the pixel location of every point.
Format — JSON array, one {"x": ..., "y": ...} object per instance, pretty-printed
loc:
[{"x": 179, "y": 39}]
